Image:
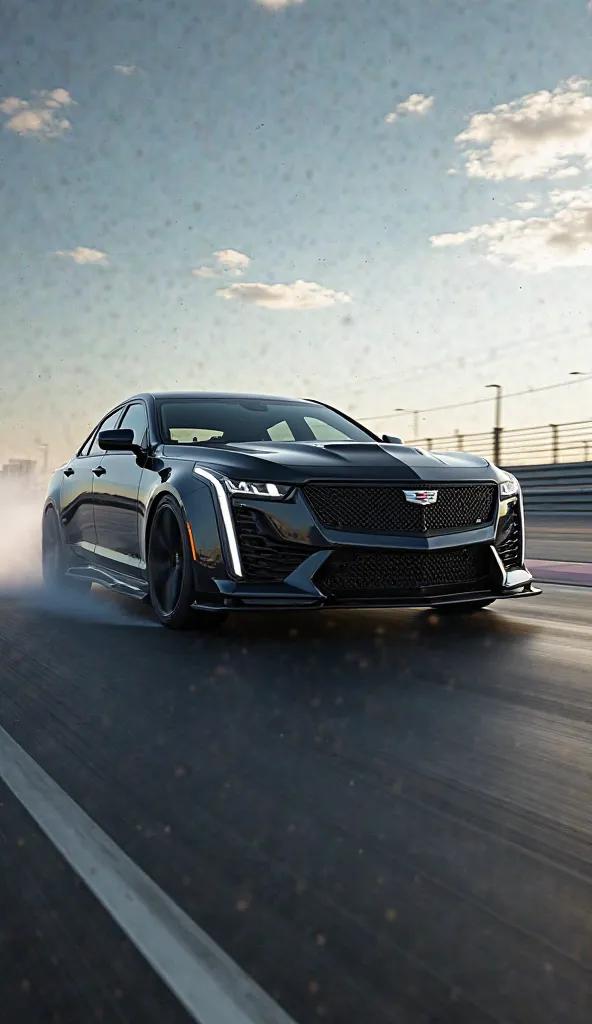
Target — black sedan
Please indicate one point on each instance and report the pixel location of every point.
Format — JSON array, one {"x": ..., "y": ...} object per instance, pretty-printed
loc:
[{"x": 206, "y": 503}]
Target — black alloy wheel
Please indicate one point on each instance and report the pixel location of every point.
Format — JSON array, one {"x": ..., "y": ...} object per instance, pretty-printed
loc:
[
  {"x": 170, "y": 571},
  {"x": 55, "y": 559}
]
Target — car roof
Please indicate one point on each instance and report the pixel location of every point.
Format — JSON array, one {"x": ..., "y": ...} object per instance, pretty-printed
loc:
[{"x": 240, "y": 396}]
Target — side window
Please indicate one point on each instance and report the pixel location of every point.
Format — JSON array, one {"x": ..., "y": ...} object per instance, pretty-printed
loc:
[
  {"x": 135, "y": 419},
  {"x": 109, "y": 424},
  {"x": 324, "y": 431}
]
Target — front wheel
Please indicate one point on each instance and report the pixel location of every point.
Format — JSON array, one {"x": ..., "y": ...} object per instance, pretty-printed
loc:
[
  {"x": 170, "y": 572},
  {"x": 462, "y": 607}
]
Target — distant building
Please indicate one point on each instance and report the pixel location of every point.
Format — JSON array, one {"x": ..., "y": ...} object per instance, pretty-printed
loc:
[{"x": 18, "y": 468}]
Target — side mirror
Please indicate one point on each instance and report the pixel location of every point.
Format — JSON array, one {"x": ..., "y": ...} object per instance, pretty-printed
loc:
[
  {"x": 117, "y": 441},
  {"x": 391, "y": 439}
]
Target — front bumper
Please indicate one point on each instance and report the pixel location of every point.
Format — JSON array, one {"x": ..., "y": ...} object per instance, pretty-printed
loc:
[{"x": 291, "y": 560}]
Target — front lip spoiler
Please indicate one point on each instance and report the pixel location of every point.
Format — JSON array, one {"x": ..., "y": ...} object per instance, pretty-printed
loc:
[{"x": 279, "y": 600}]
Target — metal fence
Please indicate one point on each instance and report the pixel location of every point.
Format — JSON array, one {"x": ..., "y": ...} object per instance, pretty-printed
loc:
[{"x": 554, "y": 443}]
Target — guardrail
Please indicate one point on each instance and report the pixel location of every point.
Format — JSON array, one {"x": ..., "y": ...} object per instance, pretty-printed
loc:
[
  {"x": 556, "y": 490},
  {"x": 553, "y": 443}
]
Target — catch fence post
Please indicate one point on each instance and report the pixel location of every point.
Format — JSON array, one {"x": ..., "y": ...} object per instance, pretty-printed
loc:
[
  {"x": 497, "y": 445},
  {"x": 555, "y": 441}
]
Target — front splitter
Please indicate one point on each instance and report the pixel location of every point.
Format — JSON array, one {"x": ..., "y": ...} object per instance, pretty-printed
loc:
[{"x": 282, "y": 601}]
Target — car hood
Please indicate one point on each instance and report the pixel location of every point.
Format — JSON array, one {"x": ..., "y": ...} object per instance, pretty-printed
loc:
[{"x": 296, "y": 462}]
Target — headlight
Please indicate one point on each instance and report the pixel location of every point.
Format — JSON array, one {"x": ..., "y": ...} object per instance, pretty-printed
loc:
[
  {"x": 509, "y": 486},
  {"x": 256, "y": 490}
]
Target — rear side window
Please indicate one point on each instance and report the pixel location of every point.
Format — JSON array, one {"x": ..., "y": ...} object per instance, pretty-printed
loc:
[
  {"x": 108, "y": 424},
  {"x": 85, "y": 450}
]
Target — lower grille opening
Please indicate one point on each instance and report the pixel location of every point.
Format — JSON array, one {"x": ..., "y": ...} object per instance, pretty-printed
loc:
[
  {"x": 266, "y": 558},
  {"x": 359, "y": 571},
  {"x": 510, "y": 548}
]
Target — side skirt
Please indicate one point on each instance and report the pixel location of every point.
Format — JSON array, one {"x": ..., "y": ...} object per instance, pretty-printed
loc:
[{"x": 129, "y": 586}]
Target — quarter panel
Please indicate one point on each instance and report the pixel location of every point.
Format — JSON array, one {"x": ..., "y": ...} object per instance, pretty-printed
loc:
[{"x": 54, "y": 487}]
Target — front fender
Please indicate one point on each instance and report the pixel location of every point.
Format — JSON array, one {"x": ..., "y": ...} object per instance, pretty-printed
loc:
[
  {"x": 199, "y": 507},
  {"x": 147, "y": 509},
  {"x": 207, "y": 529}
]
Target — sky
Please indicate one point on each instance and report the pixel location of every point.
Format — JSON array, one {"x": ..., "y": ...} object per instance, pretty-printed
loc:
[{"x": 384, "y": 205}]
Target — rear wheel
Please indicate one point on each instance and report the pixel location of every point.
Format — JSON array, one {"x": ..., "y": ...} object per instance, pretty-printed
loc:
[
  {"x": 463, "y": 607},
  {"x": 55, "y": 559},
  {"x": 170, "y": 572}
]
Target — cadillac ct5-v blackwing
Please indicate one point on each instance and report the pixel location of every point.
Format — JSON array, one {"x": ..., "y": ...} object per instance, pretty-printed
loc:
[{"x": 207, "y": 503}]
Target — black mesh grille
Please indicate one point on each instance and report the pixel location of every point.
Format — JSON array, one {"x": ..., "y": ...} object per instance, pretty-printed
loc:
[
  {"x": 359, "y": 571},
  {"x": 265, "y": 556},
  {"x": 384, "y": 509},
  {"x": 510, "y": 547}
]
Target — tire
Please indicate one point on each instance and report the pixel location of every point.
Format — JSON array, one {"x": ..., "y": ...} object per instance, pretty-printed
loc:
[
  {"x": 170, "y": 572},
  {"x": 55, "y": 559},
  {"x": 463, "y": 607}
]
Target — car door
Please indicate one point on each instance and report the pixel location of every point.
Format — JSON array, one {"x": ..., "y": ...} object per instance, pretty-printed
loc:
[
  {"x": 76, "y": 494},
  {"x": 115, "y": 499}
]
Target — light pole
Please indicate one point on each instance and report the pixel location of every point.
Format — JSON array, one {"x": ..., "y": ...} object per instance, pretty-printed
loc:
[{"x": 497, "y": 430}]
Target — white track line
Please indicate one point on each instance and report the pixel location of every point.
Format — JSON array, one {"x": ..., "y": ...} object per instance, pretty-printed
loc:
[{"x": 212, "y": 988}]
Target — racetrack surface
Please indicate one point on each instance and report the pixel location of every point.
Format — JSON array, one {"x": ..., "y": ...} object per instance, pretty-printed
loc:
[{"x": 382, "y": 817}]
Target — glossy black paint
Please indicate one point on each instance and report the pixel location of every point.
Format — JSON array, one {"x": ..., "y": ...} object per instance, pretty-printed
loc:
[
  {"x": 74, "y": 486},
  {"x": 105, "y": 503},
  {"x": 116, "y": 505},
  {"x": 120, "y": 440},
  {"x": 295, "y": 462}
]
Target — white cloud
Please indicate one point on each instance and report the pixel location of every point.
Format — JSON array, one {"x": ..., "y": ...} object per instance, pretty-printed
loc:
[
  {"x": 417, "y": 103},
  {"x": 40, "y": 117},
  {"x": 562, "y": 238},
  {"x": 567, "y": 172},
  {"x": 83, "y": 255},
  {"x": 228, "y": 262},
  {"x": 125, "y": 69},
  {"x": 277, "y": 5},
  {"x": 299, "y": 295},
  {"x": 231, "y": 259},
  {"x": 526, "y": 204},
  {"x": 207, "y": 272},
  {"x": 542, "y": 134}
]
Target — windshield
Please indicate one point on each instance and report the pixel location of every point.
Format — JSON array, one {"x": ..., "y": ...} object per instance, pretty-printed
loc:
[{"x": 236, "y": 421}]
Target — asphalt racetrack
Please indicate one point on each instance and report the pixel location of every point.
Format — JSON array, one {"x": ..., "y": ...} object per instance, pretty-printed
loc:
[{"x": 381, "y": 817}]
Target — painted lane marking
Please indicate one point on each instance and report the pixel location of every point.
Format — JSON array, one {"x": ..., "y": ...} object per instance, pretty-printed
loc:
[{"x": 211, "y": 987}]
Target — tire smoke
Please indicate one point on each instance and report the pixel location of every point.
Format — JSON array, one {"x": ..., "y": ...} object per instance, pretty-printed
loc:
[{"x": 21, "y": 511}]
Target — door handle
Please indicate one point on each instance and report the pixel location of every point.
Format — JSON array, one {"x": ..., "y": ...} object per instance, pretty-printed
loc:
[
  {"x": 99, "y": 471},
  {"x": 69, "y": 471}
]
